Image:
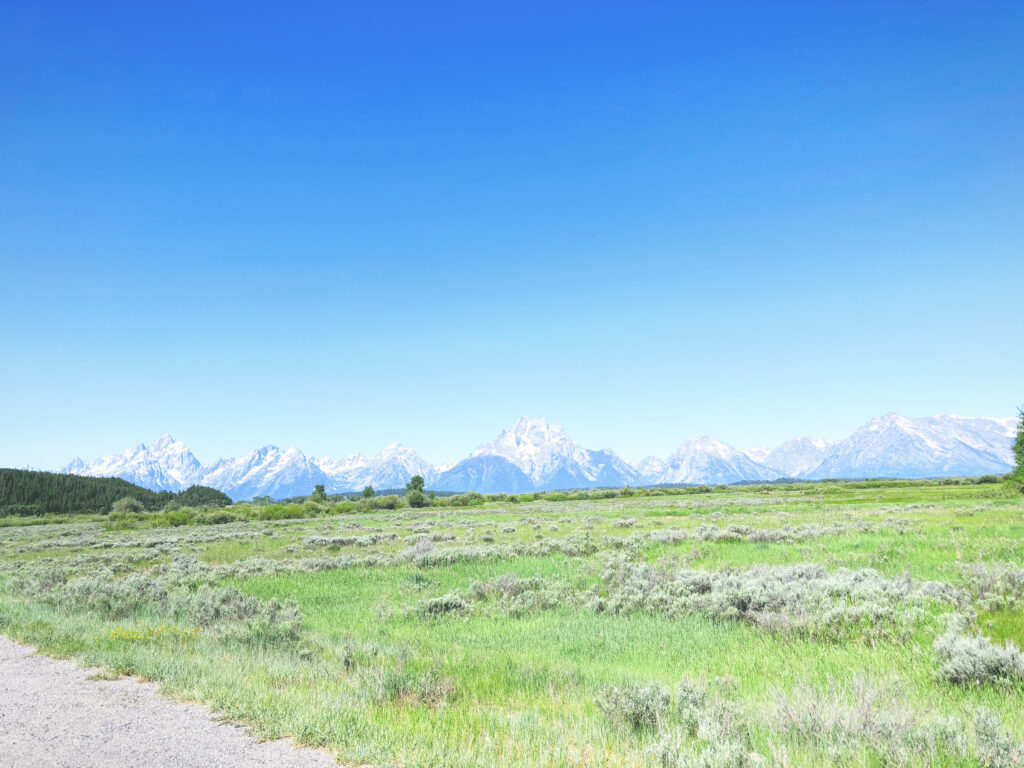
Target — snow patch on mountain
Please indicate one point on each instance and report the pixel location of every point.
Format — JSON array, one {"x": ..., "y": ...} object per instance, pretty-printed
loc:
[
  {"x": 484, "y": 473},
  {"x": 760, "y": 453},
  {"x": 702, "y": 459},
  {"x": 795, "y": 457}
]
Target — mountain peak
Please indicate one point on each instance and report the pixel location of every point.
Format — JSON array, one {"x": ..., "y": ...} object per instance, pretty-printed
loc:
[
  {"x": 537, "y": 431},
  {"x": 890, "y": 419},
  {"x": 707, "y": 444},
  {"x": 395, "y": 449},
  {"x": 544, "y": 452},
  {"x": 525, "y": 422}
]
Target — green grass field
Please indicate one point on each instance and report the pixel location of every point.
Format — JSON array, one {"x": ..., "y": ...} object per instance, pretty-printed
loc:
[{"x": 808, "y": 625}]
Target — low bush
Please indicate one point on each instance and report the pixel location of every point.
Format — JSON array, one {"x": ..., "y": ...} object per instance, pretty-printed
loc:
[
  {"x": 471, "y": 499},
  {"x": 172, "y": 518},
  {"x": 385, "y": 502},
  {"x": 280, "y": 512},
  {"x": 640, "y": 707},
  {"x": 697, "y": 729},
  {"x": 995, "y": 586},
  {"x": 977, "y": 660},
  {"x": 218, "y": 517},
  {"x": 400, "y": 684},
  {"x": 366, "y": 540},
  {"x": 122, "y": 521},
  {"x": 446, "y": 604},
  {"x": 417, "y": 499},
  {"x": 127, "y": 506},
  {"x": 515, "y": 596}
]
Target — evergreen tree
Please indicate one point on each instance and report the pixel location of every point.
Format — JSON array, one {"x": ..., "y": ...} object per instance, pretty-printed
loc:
[{"x": 1018, "y": 448}]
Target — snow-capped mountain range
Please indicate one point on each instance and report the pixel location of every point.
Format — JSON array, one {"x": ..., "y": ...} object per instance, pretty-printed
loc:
[
  {"x": 536, "y": 455},
  {"x": 546, "y": 455}
]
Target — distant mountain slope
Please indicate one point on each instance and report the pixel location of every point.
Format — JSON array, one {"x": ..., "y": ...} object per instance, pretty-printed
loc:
[
  {"x": 896, "y": 446},
  {"x": 484, "y": 474},
  {"x": 703, "y": 459},
  {"x": 795, "y": 457},
  {"x": 649, "y": 468}
]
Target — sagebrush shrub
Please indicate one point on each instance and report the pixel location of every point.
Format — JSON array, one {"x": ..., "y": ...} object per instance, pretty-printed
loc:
[
  {"x": 977, "y": 660},
  {"x": 516, "y": 596},
  {"x": 994, "y": 747},
  {"x": 439, "y": 606},
  {"x": 399, "y": 683},
  {"x": 675, "y": 753},
  {"x": 640, "y": 707},
  {"x": 690, "y": 701},
  {"x": 995, "y": 586},
  {"x": 367, "y": 540}
]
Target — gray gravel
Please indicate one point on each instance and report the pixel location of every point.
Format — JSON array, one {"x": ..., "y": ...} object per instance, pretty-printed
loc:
[{"x": 53, "y": 716}]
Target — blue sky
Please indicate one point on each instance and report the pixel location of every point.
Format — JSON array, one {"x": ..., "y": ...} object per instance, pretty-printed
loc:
[{"x": 339, "y": 225}]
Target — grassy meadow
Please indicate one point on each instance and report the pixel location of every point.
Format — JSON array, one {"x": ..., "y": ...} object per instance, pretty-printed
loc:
[{"x": 847, "y": 624}]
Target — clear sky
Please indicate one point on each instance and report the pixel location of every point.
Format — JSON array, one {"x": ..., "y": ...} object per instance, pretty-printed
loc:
[{"x": 339, "y": 225}]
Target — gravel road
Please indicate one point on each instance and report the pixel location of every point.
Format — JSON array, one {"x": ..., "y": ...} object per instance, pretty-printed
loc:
[{"x": 53, "y": 716}]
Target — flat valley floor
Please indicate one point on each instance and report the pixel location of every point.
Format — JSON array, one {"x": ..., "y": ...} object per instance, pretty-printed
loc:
[{"x": 846, "y": 624}]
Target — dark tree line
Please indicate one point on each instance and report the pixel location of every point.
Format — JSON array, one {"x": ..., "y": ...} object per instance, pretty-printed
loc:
[{"x": 24, "y": 492}]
